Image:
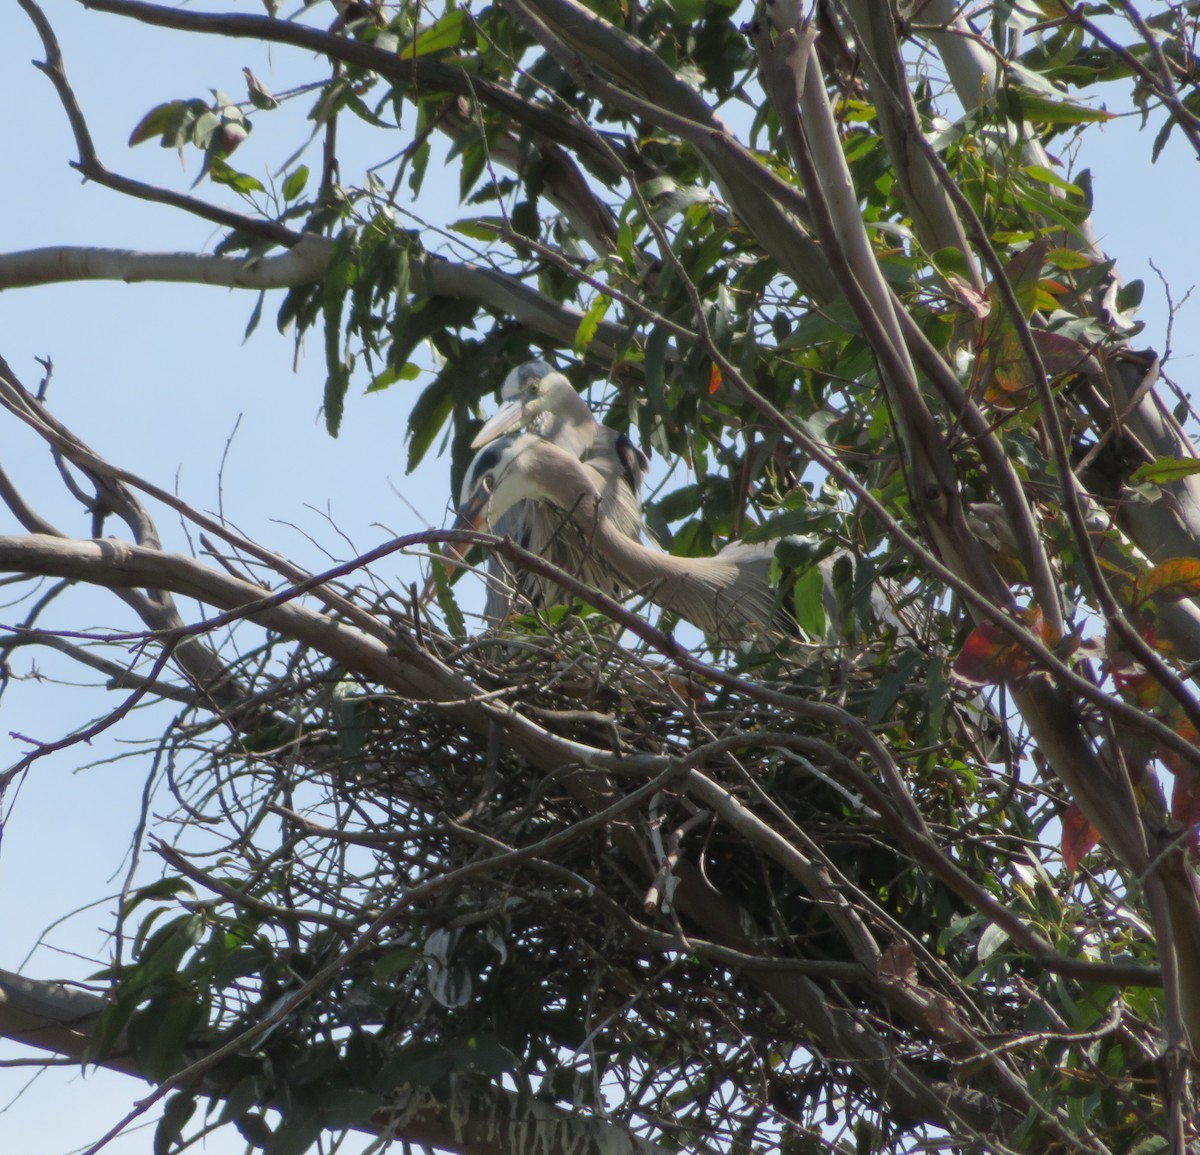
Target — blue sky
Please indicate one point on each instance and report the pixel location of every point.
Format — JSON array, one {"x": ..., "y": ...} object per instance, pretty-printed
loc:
[{"x": 156, "y": 378}]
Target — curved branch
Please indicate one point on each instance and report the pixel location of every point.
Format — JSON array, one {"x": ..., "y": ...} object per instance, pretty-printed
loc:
[
  {"x": 413, "y": 673},
  {"x": 90, "y": 165},
  {"x": 421, "y": 73},
  {"x": 473, "y": 1116},
  {"x": 302, "y": 264}
]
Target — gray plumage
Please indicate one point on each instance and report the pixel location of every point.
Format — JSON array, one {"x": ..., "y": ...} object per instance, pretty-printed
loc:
[
  {"x": 537, "y": 397},
  {"x": 728, "y": 596}
]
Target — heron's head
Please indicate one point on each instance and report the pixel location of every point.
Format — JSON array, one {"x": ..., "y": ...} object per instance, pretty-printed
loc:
[
  {"x": 494, "y": 482},
  {"x": 502, "y": 473},
  {"x": 515, "y": 468},
  {"x": 529, "y": 391}
]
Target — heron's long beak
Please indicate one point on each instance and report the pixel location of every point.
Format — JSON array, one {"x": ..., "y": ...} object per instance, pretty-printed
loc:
[
  {"x": 471, "y": 515},
  {"x": 506, "y": 418}
]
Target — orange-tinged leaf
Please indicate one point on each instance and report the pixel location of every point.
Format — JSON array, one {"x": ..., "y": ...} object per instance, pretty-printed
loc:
[
  {"x": 1078, "y": 837},
  {"x": 714, "y": 379},
  {"x": 1137, "y": 687},
  {"x": 1178, "y": 577},
  {"x": 1001, "y": 348},
  {"x": 984, "y": 656},
  {"x": 1044, "y": 298},
  {"x": 1185, "y": 802},
  {"x": 1011, "y": 371},
  {"x": 1180, "y": 766}
]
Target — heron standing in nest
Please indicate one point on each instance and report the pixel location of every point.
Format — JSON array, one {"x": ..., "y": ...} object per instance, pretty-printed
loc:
[
  {"x": 539, "y": 398},
  {"x": 728, "y": 596}
]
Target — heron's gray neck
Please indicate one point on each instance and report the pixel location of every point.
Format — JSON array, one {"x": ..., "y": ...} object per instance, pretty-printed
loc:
[
  {"x": 573, "y": 431},
  {"x": 574, "y": 489}
]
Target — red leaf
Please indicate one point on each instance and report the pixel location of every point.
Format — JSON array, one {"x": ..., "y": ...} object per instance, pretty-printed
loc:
[
  {"x": 1078, "y": 837},
  {"x": 714, "y": 379},
  {"x": 990, "y": 657},
  {"x": 1063, "y": 354}
]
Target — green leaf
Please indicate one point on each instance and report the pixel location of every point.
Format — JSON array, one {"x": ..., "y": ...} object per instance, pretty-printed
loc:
[
  {"x": 343, "y": 1107},
  {"x": 1040, "y": 172},
  {"x": 255, "y": 316},
  {"x": 590, "y": 322},
  {"x": 389, "y": 376},
  {"x": 253, "y": 1128},
  {"x": 1043, "y": 110},
  {"x": 203, "y": 128},
  {"x": 428, "y": 416},
  {"x": 418, "y": 1065},
  {"x": 294, "y": 185},
  {"x": 448, "y": 605},
  {"x": 892, "y": 685},
  {"x": 689, "y": 11},
  {"x": 159, "y": 1033},
  {"x": 992, "y": 939},
  {"x": 220, "y": 173},
  {"x": 297, "y": 1133},
  {"x": 1069, "y": 259},
  {"x": 338, "y": 278},
  {"x": 424, "y": 321},
  {"x": 1161, "y": 138},
  {"x": 446, "y": 33},
  {"x": 163, "y": 888},
  {"x": 793, "y": 525},
  {"x": 246, "y": 1093},
  {"x": 808, "y": 602},
  {"x": 480, "y": 228},
  {"x": 164, "y": 119},
  {"x": 1164, "y": 470},
  {"x": 396, "y": 961},
  {"x": 952, "y": 260},
  {"x": 337, "y": 385},
  {"x": 260, "y": 97},
  {"x": 177, "y": 1110},
  {"x": 1129, "y": 296}
]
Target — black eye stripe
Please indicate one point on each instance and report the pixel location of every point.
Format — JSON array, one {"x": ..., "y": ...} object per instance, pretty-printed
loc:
[{"x": 488, "y": 459}]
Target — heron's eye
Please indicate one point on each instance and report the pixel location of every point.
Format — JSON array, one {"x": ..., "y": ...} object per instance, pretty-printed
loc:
[{"x": 534, "y": 388}]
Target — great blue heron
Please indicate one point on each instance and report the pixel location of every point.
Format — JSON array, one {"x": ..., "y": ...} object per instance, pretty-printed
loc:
[
  {"x": 538, "y": 397},
  {"x": 729, "y": 596}
]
